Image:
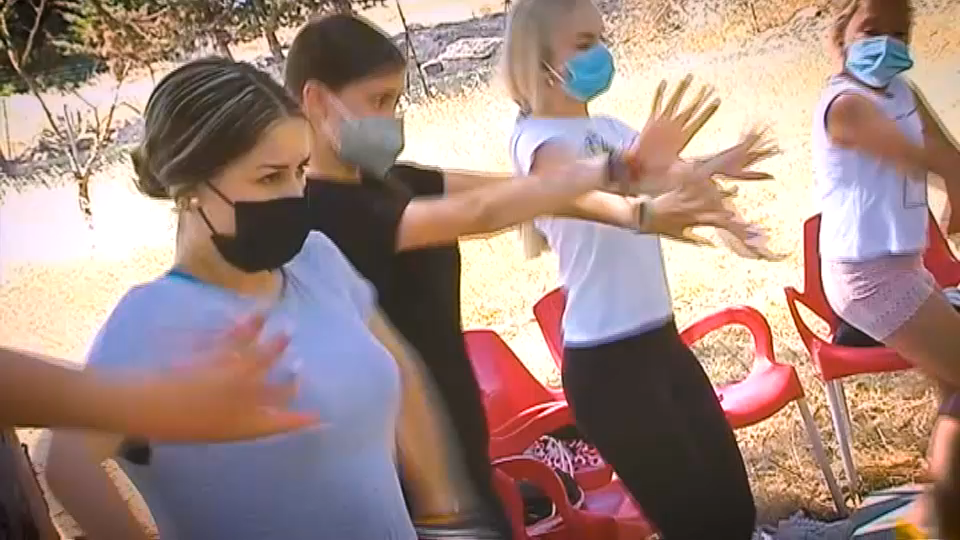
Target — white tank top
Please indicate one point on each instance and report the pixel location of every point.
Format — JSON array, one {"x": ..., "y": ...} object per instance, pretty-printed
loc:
[{"x": 869, "y": 208}]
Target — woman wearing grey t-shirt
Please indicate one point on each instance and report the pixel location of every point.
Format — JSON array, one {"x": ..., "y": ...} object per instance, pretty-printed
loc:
[{"x": 228, "y": 145}]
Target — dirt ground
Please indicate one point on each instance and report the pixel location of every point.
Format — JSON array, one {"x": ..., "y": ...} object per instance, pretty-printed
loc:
[{"x": 58, "y": 281}]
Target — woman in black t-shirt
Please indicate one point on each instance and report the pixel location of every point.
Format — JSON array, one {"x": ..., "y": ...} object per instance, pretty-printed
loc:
[{"x": 399, "y": 224}]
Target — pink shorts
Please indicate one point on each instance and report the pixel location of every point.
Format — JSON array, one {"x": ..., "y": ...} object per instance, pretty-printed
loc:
[{"x": 880, "y": 295}]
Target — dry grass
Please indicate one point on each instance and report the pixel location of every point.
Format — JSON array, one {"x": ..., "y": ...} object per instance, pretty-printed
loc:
[{"x": 56, "y": 307}]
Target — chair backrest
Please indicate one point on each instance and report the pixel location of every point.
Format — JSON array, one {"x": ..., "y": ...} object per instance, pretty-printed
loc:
[
  {"x": 937, "y": 258},
  {"x": 508, "y": 388},
  {"x": 549, "y": 314},
  {"x": 813, "y": 293}
]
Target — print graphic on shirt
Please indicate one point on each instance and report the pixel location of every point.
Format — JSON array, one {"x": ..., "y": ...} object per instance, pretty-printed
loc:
[
  {"x": 914, "y": 185},
  {"x": 594, "y": 144}
]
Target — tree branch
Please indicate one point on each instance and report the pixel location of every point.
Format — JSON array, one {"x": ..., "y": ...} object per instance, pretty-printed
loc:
[{"x": 37, "y": 19}]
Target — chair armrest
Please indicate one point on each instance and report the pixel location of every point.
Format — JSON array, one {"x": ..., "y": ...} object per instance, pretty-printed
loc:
[
  {"x": 539, "y": 474},
  {"x": 506, "y": 488},
  {"x": 521, "y": 432},
  {"x": 746, "y": 316},
  {"x": 838, "y": 361},
  {"x": 810, "y": 339},
  {"x": 529, "y": 415}
]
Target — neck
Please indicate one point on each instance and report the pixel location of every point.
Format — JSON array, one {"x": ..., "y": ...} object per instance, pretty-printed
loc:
[
  {"x": 208, "y": 266},
  {"x": 852, "y": 77},
  {"x": 561, "y": 108},
  {"x": 325, "y": 163}
]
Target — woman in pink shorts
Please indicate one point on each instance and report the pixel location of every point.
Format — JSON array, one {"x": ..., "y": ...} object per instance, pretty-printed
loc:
[{"x": 874, "y": 142}]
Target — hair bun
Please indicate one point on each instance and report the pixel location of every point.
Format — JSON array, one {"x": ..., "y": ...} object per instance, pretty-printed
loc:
[{"x": 147, "y": 182}]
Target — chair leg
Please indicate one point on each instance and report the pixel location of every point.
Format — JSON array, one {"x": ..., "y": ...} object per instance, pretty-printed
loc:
[
  {"x": 840, "y": 426},
  {"x": 820, "y": 455},
  {"x": 845, "y": 405}
]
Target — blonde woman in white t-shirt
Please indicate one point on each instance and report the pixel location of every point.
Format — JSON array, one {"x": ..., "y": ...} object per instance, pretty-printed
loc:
[
  {"x": 874, "y": 141},
  {"x": 636, "y": 391}
]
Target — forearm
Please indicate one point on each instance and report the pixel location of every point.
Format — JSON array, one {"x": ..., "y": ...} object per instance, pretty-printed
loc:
[
  {"x": 944, "y": 158},
  {"x": 455, "y": 180},
  {"x": 602, "y": 207},
  {"x": 426, "y": 443},
  {"x": 37, "y": 392},
  {"x": 942, "y": 147},
  {"x": 81, "y": 485},
  {"x": 502, "y": 205}
]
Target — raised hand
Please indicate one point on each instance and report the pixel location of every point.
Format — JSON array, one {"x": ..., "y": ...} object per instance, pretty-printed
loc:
[
  {"x": 667, "y": 132},
  {"x": 223, "y": 397},
  {"x": 735, "y": 162},
  {"x": 695, "y": 200}
]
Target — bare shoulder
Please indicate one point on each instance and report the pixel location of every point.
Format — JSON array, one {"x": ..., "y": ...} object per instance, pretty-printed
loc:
[
  {"x": 850, "y": 107},
  {"x": 849, "y": 114}
]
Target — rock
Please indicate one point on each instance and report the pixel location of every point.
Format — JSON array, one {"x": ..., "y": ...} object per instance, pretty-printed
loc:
[
  {"x": 811, "y": 12},
  {"x": 476, "y": 48},
  {"x": 433, "y": 68}
]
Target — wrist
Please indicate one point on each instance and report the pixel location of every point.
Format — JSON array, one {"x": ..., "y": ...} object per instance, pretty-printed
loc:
[
  {"x": 619, "y": 174},
  {"x": 643, "y": 215}
]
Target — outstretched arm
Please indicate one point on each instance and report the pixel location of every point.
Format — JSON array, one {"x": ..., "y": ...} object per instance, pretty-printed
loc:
[
  {"x": 220, "y": 398},
  {"x": 495, "y": 204},
  {"x": 38, "y": 391}
]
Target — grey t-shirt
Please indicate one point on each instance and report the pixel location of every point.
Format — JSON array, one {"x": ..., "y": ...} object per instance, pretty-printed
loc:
[{"x": 336, "y": 481}]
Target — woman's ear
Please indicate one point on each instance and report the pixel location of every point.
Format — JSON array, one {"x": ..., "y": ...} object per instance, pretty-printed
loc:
[
  {"x": 313, "y": 102},
  {"x": 188, "y": 203}
]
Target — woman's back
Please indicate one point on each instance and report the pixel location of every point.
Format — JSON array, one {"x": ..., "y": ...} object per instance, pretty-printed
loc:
[{"x": 317, "y": 481}]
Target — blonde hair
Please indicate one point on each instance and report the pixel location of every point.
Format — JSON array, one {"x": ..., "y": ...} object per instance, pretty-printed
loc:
[
  {"x": 837, "y": 31},
  {"x": 836, "y": 34},
  {"x": 526, "y": 48},
  {"x": 526, "y": 52}
]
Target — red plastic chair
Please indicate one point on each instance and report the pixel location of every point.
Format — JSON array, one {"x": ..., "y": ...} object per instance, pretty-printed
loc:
[
  {"x": 608, "y": 511},
  {"x": 834, "y": 362},
  {"x": 768, "y": 388}
]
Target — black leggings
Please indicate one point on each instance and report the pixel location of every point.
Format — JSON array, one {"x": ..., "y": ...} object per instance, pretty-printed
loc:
[{"x": 649, "y": 408}]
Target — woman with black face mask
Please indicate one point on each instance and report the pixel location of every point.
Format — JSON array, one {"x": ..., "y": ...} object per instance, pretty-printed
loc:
[
  {"x": 229, "y": 146},
  {"x": 399, "y": 223}
]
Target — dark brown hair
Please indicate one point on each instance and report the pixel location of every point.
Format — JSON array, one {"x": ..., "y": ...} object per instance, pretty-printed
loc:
[
  {"x": 201, "y": 117},
  {"x": 337, "y": 50}
]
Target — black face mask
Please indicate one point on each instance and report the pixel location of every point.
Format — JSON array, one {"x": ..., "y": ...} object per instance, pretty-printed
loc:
[{"x": 268, "y": 233}]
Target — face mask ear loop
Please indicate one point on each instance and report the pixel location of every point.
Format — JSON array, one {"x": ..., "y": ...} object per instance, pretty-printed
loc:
[
  {"x": 203, "y": 215},
  {"x": 219, "y": 193},
  {"x": 556, "y": 77}
]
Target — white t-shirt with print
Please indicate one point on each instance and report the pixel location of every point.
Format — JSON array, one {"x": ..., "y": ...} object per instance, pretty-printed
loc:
[{"x": 615, "y": 279}]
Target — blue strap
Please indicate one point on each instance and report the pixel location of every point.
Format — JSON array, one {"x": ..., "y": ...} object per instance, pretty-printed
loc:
[{"x": 178, "y": 273}]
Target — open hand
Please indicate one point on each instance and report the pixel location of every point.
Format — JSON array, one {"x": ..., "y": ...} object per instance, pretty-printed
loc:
[
  {"x": 667, "y": 132},
  {"x": 735, "y": 162},
  {"x": 223, "y": 397},
  {"x": 695, "y": 200}
]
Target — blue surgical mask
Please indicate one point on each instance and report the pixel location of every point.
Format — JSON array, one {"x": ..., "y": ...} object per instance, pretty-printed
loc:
[
  {"x": 589, "y": 73},
  {"x": 875, "y": 61}
]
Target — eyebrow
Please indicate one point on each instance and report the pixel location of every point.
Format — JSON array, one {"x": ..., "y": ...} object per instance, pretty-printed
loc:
[{"x": 282, "y": 166}]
